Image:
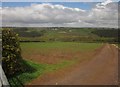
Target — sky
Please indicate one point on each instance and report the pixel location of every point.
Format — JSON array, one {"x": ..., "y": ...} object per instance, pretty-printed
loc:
[
  {"x": 82, "y": 5},
  {"x": 60, "y": 14}
]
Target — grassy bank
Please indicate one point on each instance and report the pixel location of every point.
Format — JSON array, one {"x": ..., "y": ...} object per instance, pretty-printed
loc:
[{"x": 37, "y": 70}]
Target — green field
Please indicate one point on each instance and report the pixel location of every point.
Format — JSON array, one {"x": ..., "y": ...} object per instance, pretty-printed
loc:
[
  {"x": 48, "y": 46},
  {"x": 47, "y": 49},
  {"x": 46, "y": 52}
]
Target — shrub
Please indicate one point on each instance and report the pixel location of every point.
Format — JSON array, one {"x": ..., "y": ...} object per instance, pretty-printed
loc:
[{"x": 11, "y": 52}]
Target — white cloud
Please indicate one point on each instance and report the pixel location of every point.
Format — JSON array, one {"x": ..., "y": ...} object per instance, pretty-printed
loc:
[
  {"x": 46, "y": 14},
  {"x": 106, "y": 2},
  {"x": 104, "y": 14}
]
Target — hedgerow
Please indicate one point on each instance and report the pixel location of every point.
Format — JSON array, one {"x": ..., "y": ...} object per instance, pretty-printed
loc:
[{"x": 11, "y": 52}]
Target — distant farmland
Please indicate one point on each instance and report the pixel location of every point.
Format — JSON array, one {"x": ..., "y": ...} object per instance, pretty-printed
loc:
[{"x": 68, "y": 34}]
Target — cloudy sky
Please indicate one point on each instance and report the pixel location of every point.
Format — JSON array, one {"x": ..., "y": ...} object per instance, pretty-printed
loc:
[{"x": 60, "y": 14}]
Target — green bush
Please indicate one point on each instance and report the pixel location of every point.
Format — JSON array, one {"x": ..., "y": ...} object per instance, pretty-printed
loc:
[{"x": 11, "y": 52}]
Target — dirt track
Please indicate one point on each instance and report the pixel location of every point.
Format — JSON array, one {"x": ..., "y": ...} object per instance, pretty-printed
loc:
[{"x": 102, "y": 69}]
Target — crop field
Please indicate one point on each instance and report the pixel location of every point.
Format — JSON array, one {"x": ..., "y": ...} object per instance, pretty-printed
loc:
[
  {"x": 48, "y": 57},
  {"x": 46, "y": 52}
]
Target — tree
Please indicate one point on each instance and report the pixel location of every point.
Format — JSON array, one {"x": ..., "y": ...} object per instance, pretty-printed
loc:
[{"x": 11, "y": 52}]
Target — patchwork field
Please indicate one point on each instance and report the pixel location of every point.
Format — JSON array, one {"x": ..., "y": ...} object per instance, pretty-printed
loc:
[{"x": 63, "y": 34}]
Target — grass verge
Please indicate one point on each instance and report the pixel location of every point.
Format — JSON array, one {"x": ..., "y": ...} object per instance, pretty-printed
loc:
[{"x": 38, "y": 69}]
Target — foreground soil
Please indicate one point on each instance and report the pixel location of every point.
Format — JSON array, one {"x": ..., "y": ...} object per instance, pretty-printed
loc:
[{"x": 100, "y": 69}]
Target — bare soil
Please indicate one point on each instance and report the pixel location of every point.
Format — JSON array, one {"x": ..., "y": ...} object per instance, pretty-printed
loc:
[
  {"x": 57, "y": 56},
  {"x": 99, "y": 68}
]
